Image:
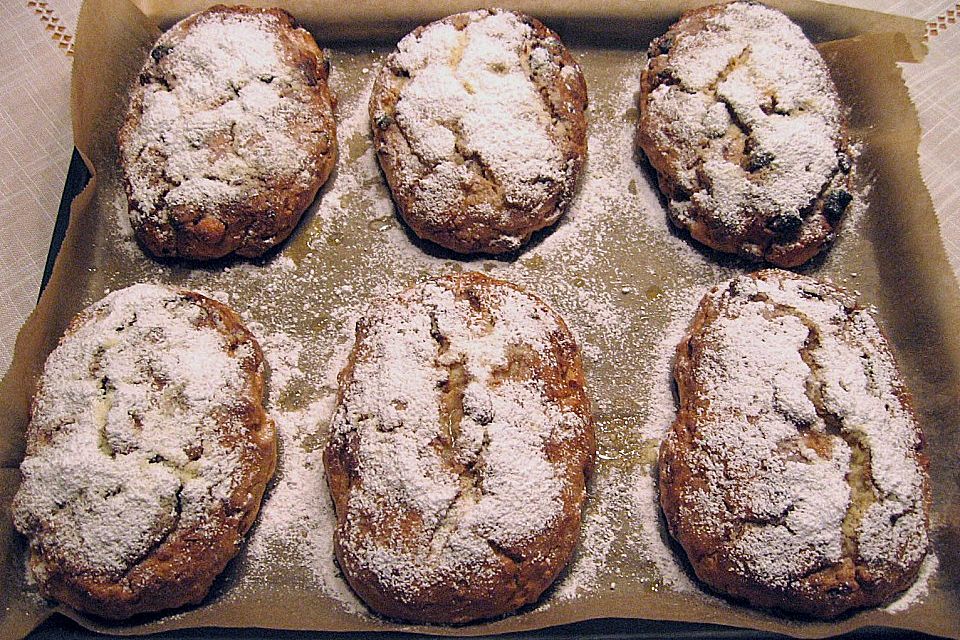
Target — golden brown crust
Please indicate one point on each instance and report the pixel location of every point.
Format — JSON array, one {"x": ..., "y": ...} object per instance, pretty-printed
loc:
[
  {"x": 464, "y": 200},
  {"x": 793, "y": 522},
  {"x": 220, "y": 475},
  {"x": 273, "y": 163},
  {"x": 771, "y": 186},
  {"x": 438, "y": 541}
]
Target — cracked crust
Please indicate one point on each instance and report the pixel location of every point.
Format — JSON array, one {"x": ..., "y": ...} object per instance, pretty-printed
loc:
[
  {"x": 459, "y": 452},
  {"x": 179, "y": 507},
  {"x": 794, "y": 476},
  {"x": 251, "y": 139},
  {"x": 744, "y": 127},
  {"x": 498, "y": 182}
]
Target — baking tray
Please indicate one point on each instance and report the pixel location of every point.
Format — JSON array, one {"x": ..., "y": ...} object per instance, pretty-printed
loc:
[{"x": 61, "y": 628}]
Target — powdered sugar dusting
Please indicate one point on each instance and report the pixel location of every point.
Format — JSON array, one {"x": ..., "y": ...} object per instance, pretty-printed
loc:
[
  {"x": 293, "y": 538},
  {"x": 299, "y": 508},
  {"x": 747, "y": 106},
  {"x": 918, "y": 591},
  {"x": 479, "y": 477},
  {"x": 219, "y": 117},
  {"x": 597, "y": 539},
  {"x": 498, "y": 111},
  {"x": 801, "y": 433},
  {"x": 480, "y": 141},
  {"x": 123, "y": 445}
]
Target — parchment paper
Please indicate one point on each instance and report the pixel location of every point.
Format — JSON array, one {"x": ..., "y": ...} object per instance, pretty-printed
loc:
[{"x": 614, "y": 247}]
